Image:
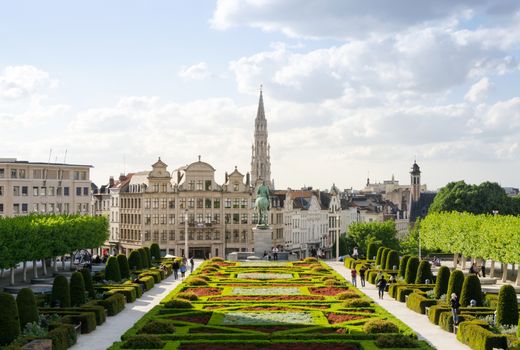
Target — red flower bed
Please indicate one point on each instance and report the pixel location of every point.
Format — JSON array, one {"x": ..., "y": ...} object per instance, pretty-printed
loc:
[
  {"x": 327, "y": 290},
  {"x": 224, "y": 264},
  {"x": 339, "y": 318},
  {"x": 203, "y": 291},
  {"x": 297, "y": 346},
  {"x": 267, "y": 298},
  {"x": 202, "y": 319}
]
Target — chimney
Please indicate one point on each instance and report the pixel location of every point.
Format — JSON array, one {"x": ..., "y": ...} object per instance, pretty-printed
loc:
[
  {"x": 226, "y": 178},
  {"x": 122, "y": 177},
  {"x": 248, "y": 179},
  {"x": 111, "y": 182}
]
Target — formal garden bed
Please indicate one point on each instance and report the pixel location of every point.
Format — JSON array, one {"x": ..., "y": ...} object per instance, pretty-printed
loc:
[{"x": 323, "y": 311}]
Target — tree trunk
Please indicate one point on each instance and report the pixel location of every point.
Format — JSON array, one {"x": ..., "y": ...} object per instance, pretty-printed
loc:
[
  {"x": 518, "y": 278},
  {"x": 455, "y": 260},
  {"x": 44, "y": 263},
  {"x": 35, "y": 269},
  {"x": 54, "y": 265},
  {"x": 513, "y": 267},
  {"x": 492, "y": 269},
  {"x": 2, "y": 273},
  {"x": 24, "y": 271},
  {"x": 463, "y": 262},
  {"x": 504, "y": 272},
  {"x": 63, "y": 262},
  {"x": 70, "y": 263},
  {"x": 11, "y": 282}
]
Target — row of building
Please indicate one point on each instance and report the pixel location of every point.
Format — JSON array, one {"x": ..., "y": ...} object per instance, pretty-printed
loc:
[{"x": 162, "y": 205}]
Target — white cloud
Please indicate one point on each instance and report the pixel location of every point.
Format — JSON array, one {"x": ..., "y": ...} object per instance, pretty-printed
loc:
[
  {"x": 197, "y": 71},
  {"x": 478, "y": 91},
  {"x": 17, "y": 82}
]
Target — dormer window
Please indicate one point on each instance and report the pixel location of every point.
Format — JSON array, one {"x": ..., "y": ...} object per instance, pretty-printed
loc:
[{"x": 235, "y": 187}]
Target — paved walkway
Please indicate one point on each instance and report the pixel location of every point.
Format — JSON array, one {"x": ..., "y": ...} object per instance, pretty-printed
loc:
[
  {"x": 114, "y": 327},
  {"x": 425, "y": 330}
]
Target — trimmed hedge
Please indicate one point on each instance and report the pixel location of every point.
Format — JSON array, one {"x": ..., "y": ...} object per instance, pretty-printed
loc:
[
  {"x": 380, "y": 326},
  {"x": 148, "y": 256},
  {"x": 441, "y": 283},
  {"x": 378, "y": 255},
  {"x": 61, "y": 291},
  {"x": 411, "y": 269},
  {"x": 143, "y": 342},
  {"x": 372, "y": 250},
  {"x": 113, "y": 304},
  {"x": 392, "y": 259},
  {"x": 418, "y": 302},
  {"x": 128, "y": 292},
  {"x": 147, "y": 282},
  {"x": 77, "y": 289},
  {"x": 98, "y": 310},
  {"x": 9, "y": 322},
  {"x": 155, "y": 251},
  {"x": 384, "y": 254},
  {"x": 63, "y": 337},
  {"x": 474, "y": 334},
  {"x": 144, "y": 258},
  {"x": 87, "y": 319},
  {"x": 87, "y": 279},
  {"x": 402, "y": 265},
  {"x": 177, "y": 303},
  {"x": 455, "y": 283},
  {"x": 112, "y": 272},
  {"x": 124, "y": 268},
  {"x": 507, "y": 308},
  {"x": 134, "y": 261},
  {"x": 27, "y": 309},
  {"x": 471, "y": 290},
  {"x": 424, "y": 272}
]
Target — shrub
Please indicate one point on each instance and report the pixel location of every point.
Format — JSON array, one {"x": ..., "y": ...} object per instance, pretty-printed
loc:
[
  {"x": 418, "y": 303},
  {"x": 507, "y": 309},
  {"x": 397, "y": 341},
  {"x": 124, "y": 268},
  {"x": 148, "y": 256},
  {"x": 347, "y": 295},
  {"x": 378, "y": 255},
  {"x": 113, "y": 304},
  {"x": 9, "y": 322},
  {"x": 372, "y": 250},
  {"x": 216, "y": 259},
  {"x": 63, "y": 337},
  {"x": 144, "y": 258},
  {"x": 477, "y": 337},
  {"x": 155, "y": 251},
  {"x": 411, "y": 269},
  {"x": 27, "y": 309},
  {"x": 87, "y": 279},
  {"x": 177, "y": 303},
  {"x": 143, "y": 342},
  {"x": 424, "y": 272},
  {"x": 188, "y": 296},
  {"x": 60, "y": 291},
  {"x": 392, "y": 259},
  {"x": 384, "y": 254},
  {"x": 471, "y": 290},
  {"x": 380, "y": 326},
  {"x": 112, "y": 272},
  {"x": 147, "y": 282},
  {"x": 128, "y": 292},
  {"x": 156, "y": 327},
  {"x": 134, "y": 260},
  {"x": 441, "y": 283},
  {"x": 319, "y": 269},
  {"x": 357, "y": 303},
  {"x": 77, "y": 289},
  {"x": 87, "y": 319},
  {"x": 402, "y": 265},
  {"x": 310, "y": 260},
  {"x": 455, "y": 283}
]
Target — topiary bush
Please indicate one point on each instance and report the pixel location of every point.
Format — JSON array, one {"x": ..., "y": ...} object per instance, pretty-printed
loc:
[
  {"x": 143, "y": 342},
  {"x": 384, "y": 253},
  {"x": 507, "y": 308},
  {"x": 124, "y": 268},
  {"x": 155, "y": 251},
  {"x": 441, "y": 283},
  {"x": 357, "y": 303},
  {"x": 87, "y": 279},
  {"x": 177, "y": 303},
  {"x": 402, "y": 265},
  {"x": 188, "y": 296},
  {"x": 144, "y": 258},
  {"x": 27, "y": 309},
  {"x": 424, "y": 272},
  {"x": 455, "y": 283},
  {"x": 148, "y": 256},
  {"x": 112, "y": 272},
  {"x": 61, "y": 291},
  {"x": 134, "y": 260},
  {"x": 372, "y": 250},
  {"x": 378, "y": 255},
  {"x": 157, "y": 327},
  {"x": 392, "y": 259},
  {"x": 380, "y": 326},
  {"x": 197, "y": 281},
  {"x": 347, "y": 295},
  {"x": 77, "y": 289},
  {"x": 411, "y": 269},
  {"x": 9, "y": 322},
  {"x": 471, "y": 290},
  {"x": 396, "y": 341}
]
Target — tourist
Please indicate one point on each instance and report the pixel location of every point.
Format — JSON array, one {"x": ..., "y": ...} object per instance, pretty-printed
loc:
[
  {"x": 275, "y": 253},
  {"x": 474, "y": 270},
  {"x": 183, "y": 270},
  {"x": 483, "y": 269},
  {"x": 355, "y": 253},
  {"x": 379, "y": 276},
  {"x": 175, "y": 267},
  {"x": 455, "y": 305},
  {"x": 192, "y": 264},
  {"x": 381, "y": 285},
  {"x": 362, "y": 271},
  {"x": 353, "y": 273}
]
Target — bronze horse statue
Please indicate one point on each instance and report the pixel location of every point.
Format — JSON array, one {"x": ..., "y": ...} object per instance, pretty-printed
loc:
[{"x": 262, "y": 205}]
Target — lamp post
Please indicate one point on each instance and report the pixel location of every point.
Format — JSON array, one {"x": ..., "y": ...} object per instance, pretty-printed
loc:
[
  {"x": 225, "y": 234},
  {"x": 186, "y": 233},
  {"x": 492, "y": 268}
]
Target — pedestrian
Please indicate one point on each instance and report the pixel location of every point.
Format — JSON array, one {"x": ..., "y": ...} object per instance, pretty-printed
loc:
[
  {"x": 353, "y": 273},
  {"x": 483, "y": 269},
  {"x": 362, "y": 271},
  {"x": 381, "y": 285},
  {"x": 192, "y": 264},
  {"x": 355, "y": 253},
  {"x": 183, "y": 270},
  {"x": 275, "y": 253},
  {"x": 474, "y": 270},
  {"x": 175, "y": 268},
  {"x": 379, "y": 276},
  {"x": 455, "y": 305}
]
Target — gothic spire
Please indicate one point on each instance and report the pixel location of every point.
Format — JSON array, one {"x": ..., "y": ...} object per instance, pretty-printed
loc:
[{"x": 260, "y": 114}]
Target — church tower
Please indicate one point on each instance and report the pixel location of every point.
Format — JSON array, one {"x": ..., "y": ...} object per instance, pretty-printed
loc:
[
  {"x": 415, "y": 190},
  {"x": 260, "y": 155}
]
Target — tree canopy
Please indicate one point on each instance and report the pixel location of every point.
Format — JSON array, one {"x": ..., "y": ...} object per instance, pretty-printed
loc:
[{"x": 382, "y": 233}]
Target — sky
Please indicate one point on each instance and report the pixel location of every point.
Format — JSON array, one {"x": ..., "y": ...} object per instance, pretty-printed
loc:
[{"x": 351, "y": 88}]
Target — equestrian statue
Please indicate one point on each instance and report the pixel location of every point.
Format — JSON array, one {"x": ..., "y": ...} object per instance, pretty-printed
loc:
[{"x": 262, "y": 205}]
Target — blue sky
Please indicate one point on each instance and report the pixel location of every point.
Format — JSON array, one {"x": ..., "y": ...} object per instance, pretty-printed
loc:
[{"x": 349, "y": 87}]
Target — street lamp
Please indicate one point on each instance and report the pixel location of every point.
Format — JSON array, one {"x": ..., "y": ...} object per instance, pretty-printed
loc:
[{"x": 186, "y": 233}]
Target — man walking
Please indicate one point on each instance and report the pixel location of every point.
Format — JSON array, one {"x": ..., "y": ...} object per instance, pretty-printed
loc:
[
  {"x": 175, "y": 267},
  {"x": 362, "y": 271},
  {"x": 381, "y": 285},
  {"x": 192, "y": 264},
  {"x": 353, "y": 274}
]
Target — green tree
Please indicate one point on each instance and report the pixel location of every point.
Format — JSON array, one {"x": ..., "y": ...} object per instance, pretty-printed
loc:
[
  {"x": 148, "y": 256},
  {"x": 471, "y": 290},
  {"x": 411, "y": 269},
  {"x": 60, "y": 291},
  {"x": 144, "y": 258},
  {"x": 155, "y": 251},
  {"x": 507, "y": 308},
  {"x": 9, "y": 322},
  {"x": 27, "y": 309},
  {"x": 77, "y": 289},
  {"x": 112, "y": 272},
  {"x": 124, "y": 268},
  {"x": 455, "y": 283},
  {"x": 382, "y": 233},
  {"x": 134, "y": 260},
  {"x": 441, "y": 283},
  {"x": 410, "y": 243}
]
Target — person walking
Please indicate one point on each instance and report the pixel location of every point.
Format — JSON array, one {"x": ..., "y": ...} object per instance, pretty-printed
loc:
[
  {"x": 175, "y": 267},
  {"x": 381, "y": 285},
  {"x": 183, "y": 270},
  {"x": 353, "y": 274},
  {"x": 192, "y": 264},
  {"x": 355, "y": 253},
  {"x": 455, "y": 305},
  {"x": 362, "y": 271}
]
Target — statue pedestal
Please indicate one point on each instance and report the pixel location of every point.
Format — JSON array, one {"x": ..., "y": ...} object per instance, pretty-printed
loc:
[{"x": 263, "y": 238}]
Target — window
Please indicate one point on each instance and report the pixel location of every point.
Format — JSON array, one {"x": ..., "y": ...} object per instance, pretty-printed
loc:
[
  {"x": 78, "y": 191},
  {"x": 43, "y": 191},
  {"x": 156, "y": 235},
  {"x": 83, "y": 175},
  {"x": 14, "y": 173},
  {"x": 171, "y": 219},
  {"x": 85, "y": 191},
  {"x": 207, "y": 203},
  {"x": 243, "y": 203},
  {"x": 228, "y": 203},
  {"x": 172, "y": 235},
  {"x": 236, "y": 218},
  {"x": 16, "y": 190},
  {"x": 147, "y": 219},
  {"x": 208, "y": 185},
  {"x": 244, "y": 219},
  {"x": 171, "y": 203},
  {"x": 164, "y": 203},
  {"x": 155, "y": 203},
  {"x": 146, "y": 235},
  {"x": 235, "y": 187},
  {"x": 37, "y": 173},
  {"x": 163, "y": 219},
  {"x": 227, "y": 218},
  {"x": 21, "y": 173},
  {"x": 25, "y": 190},
  {"x": 51, "y": 191},
  {"x": 164, "y": 235},
  {"x": 191, "y": 218},
  {"x": 2, "y": 173},
  {"x": 16, "y": 208},
  {"x": 216, "y": 218},
  {"x": 65, "y": 191},
  {"x": 208, "y": 218},
  {"x": 200, "y": 203},
  {"x": 147, "y": 203},
  {"x": 236, "y": 202},
  {"x": 1, "y": 207},
  {"x": 51, "y": 207},
  {"x": 191, "y": 203},
  {"x": 191, "y": 185},
  {"x": 200, "y": 218},
  {"x": 66, "y": 209},
  {"x": 155, "y": 219},
  {"x": 182, "y": 203},
  {"x": 76, "y": 175},
  {"x": 216, "y": 235},
  {"x": 199, "y": 185},
  {"x": 1, "y": 190},
  {"x": 59, "y": 191}
]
